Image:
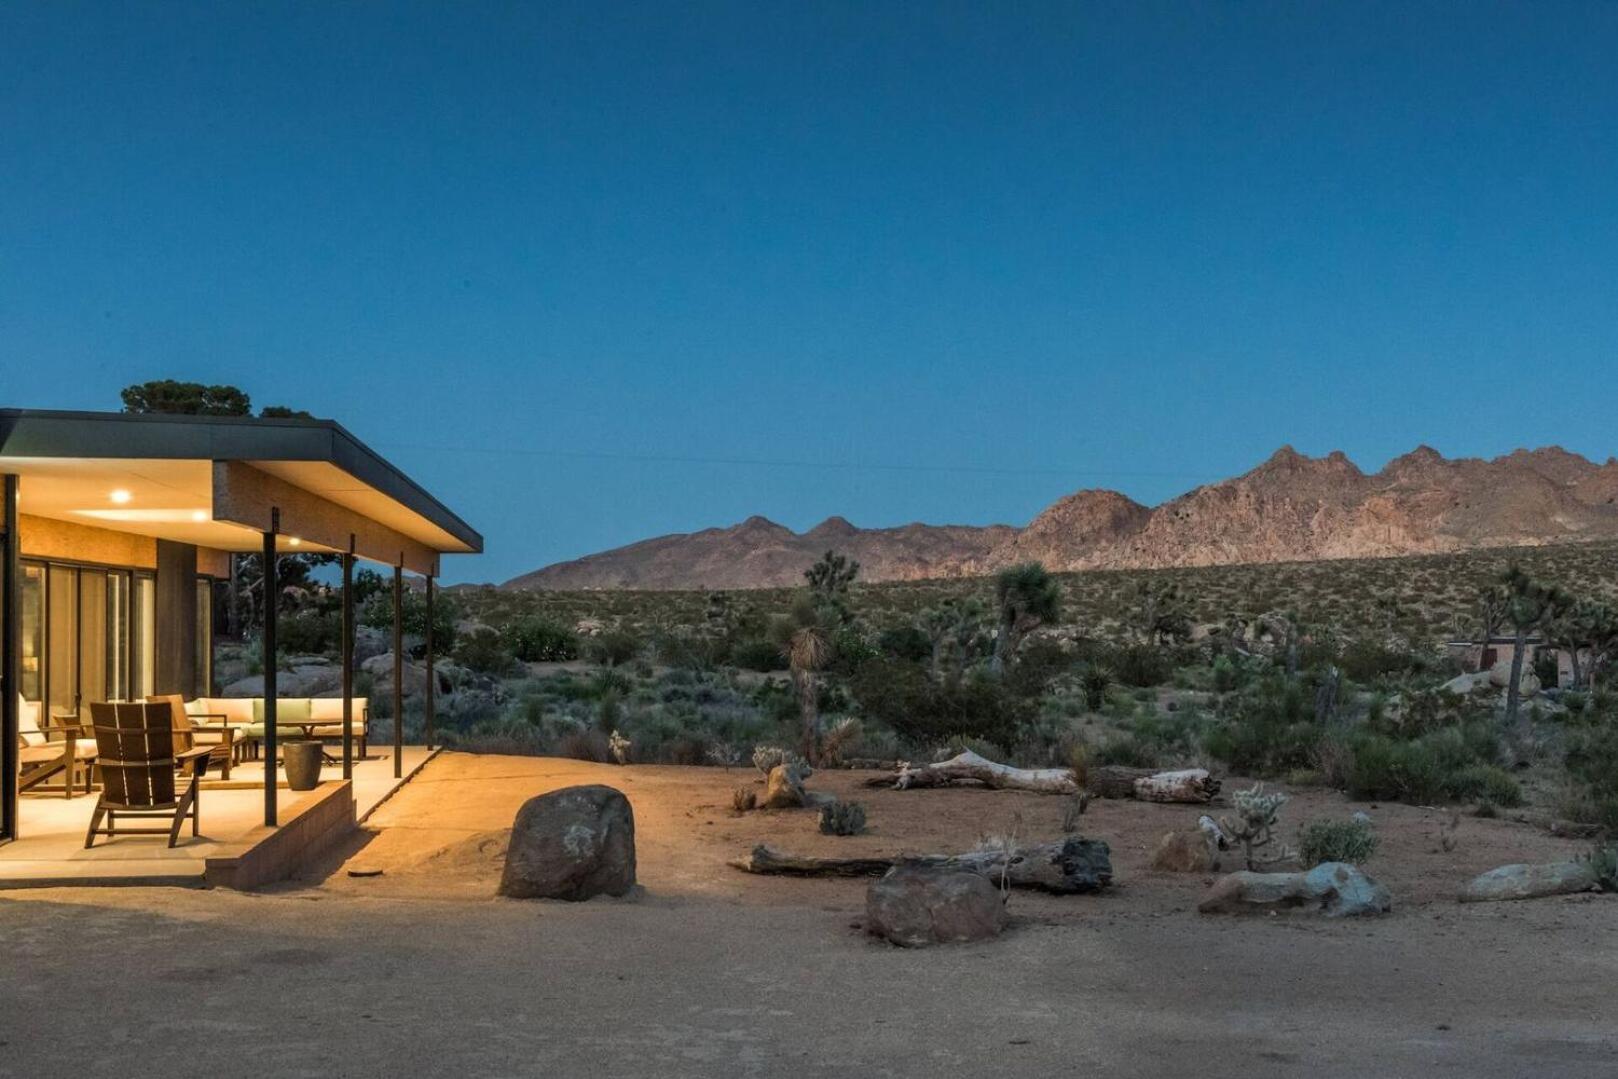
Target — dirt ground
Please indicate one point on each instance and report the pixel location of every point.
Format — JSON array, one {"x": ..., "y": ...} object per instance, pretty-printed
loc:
[{"x": 712, "y": 972}]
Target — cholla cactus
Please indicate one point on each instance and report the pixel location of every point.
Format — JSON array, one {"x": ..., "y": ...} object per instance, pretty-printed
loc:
[
  {"x": 842, "y": 818},
  {"x": 618, "y": 746},
  {"x": 765, "y": 758},
  {"x": 1253, "y": 826}
]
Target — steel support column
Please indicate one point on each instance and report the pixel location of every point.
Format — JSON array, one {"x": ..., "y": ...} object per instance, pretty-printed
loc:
[
  {"x": 398, "y": 672},
  {"x": 272, "y": 595},
  {"x": 10, "y": 662},
  {"x": 348, "y": 661},
  {"x": 432, "y": 675}
]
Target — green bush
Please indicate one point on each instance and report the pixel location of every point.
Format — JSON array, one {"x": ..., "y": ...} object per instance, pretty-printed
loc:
[
  {"x": 1350, "y": 841},
  {"x": 1270, "y": 730},
  {"x": 611, "y": 648},
  {"x": 903, "y": 697},
  {"x": 1453, "y": 764},
  {"x": 905, "y": 642},
  {"x": 1142, "y": 665},
  {"x": 309, "y": 632},
  {"x": 533, "y": 639},
  {"x": 484, "y": 651},
  {"x": 757, "y": 654}
]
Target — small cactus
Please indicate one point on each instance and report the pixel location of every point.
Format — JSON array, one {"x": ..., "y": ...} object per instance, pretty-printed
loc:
[
  {"x": 743, "y": 799},
  {"x": 765, "y": 758},
  {"x": 842, "y": 818}
]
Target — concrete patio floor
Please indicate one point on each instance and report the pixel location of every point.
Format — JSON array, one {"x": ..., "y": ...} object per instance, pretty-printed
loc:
[{"x": 51, "y": 851}]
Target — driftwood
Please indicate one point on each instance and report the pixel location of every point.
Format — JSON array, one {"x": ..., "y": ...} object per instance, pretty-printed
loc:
[
  {"x": 1068, "y": 866},
  {"x": 1151, "y": 785},
  {"x": 969, "y": 767}
]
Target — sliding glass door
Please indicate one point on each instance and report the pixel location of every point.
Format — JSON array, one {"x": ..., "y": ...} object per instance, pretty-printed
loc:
[{"x": 87, "y": 635}]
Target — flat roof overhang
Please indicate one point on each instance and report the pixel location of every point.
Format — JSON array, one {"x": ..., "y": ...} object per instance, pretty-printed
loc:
[{"x": 212, "y": 481}]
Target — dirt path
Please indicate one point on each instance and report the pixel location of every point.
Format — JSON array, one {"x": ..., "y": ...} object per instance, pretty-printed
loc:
[{"x": 713, "y": 973}]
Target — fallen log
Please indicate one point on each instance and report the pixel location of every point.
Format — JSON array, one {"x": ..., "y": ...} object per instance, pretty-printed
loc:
[
  {"x": 1150, "y": 785},
  {"x": 1186, "y": 785},
  {"x": 969, "y": 767},
  {"x": 1066, "y": 867}
]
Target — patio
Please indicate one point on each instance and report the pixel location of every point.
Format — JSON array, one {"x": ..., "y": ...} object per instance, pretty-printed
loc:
[
  {"x": 120, "y": 537},
  {"x": 51, "y": 851}
]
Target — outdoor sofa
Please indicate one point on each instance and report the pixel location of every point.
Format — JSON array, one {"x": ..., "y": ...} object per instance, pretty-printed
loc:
[{"x": 294, "y": 716}]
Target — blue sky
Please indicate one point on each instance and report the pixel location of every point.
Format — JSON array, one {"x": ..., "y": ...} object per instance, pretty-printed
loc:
[{"x": 598, "y": 272}]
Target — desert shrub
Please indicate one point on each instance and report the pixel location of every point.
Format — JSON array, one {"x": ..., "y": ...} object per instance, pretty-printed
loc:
[
  {"x": 1604, "y": 862},
  {"x": 1226, "y": 674},
  {"x": 1128, "y": 751},
  {"x": 378, "y": 614},
  {"x": 1592, "y": 765},
  {"x": 1455, "y": 763},
  {"x": 533, "y": 639},
  {"x": 612, "y": 648},
  {"x": 902, "y": 696},
  {"x": 1141, "y": 665},
  {"x": 905, "y": 642},
  {"x": 1270, "y": 730},
  {"x": 757, "y": 654},
  {"x": 842, "y": 818},
  {"x": 1351, "y": 841},
  {"x": 1094, "y": 679},
  {"x": 1364, "y": 660},
  {"x": 584, "y": 745},
  {"x": 310, "y": 632},
  {"x": 484, "y": 651}
]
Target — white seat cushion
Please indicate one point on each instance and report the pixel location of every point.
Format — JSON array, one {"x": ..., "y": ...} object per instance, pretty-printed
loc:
[{"x": 28, "y": 723}]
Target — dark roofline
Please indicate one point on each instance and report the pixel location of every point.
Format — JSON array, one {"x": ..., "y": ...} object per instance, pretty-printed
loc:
[{"x": 163, "y": 436}]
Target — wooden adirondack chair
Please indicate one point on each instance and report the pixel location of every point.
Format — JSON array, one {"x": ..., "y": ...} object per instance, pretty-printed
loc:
[
  {"x": 138, "y": 763},
  {"x": 40, "y": 757}
]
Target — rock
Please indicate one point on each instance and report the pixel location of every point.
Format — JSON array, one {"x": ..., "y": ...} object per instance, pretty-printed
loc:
[
  {"x": 571, "y": 844},
  {"x": 1530, "y": 882},
  {"x": 1188, "y": 851},
  {"x": 1335, "y": 889},
  {"x": 783, "y": 788},
  {"x": 913, "y": 906},
  {"x": 370, "y": 642},
  {"x": 1527, "y": 682},
  {"x": 1464, "y": 684}
]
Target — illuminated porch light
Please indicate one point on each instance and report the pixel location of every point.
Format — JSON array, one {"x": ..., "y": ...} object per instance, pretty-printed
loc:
[
  {"x": 199, "y": 515},
  {"x": 120, "y": 496}
]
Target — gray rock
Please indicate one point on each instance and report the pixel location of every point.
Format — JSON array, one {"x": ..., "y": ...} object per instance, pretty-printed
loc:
[
  {"x": 913, "y": 906},
  {"x": 1335, "y": 889},
  {"x": 1530, "y": 882},
  {"x": 571, "y": 844}
]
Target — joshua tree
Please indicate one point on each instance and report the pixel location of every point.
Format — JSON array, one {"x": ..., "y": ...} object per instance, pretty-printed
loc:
[
  {"x": 1491, "y": 616},
  {"x": 1162, "y": 613},
  {"x": 829, "y": 580},
  {"x": 955, "y": 628},
  {"x": 804, "y": 636},
  {"x": 1028, "y": 598},
  {"x": 1590, "y": 627},
  {"x": 1530, "y": 605}
]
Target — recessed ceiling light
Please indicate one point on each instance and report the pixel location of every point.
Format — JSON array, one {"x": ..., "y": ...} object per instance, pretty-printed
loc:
[
  {"x": 295, "y": 541},
  {"x": 199, "y": 515},
  {"x": 120, "y": 496}
]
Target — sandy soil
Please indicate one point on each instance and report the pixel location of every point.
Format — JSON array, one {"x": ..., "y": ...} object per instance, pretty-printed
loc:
[{"x": 711, "y": 972}]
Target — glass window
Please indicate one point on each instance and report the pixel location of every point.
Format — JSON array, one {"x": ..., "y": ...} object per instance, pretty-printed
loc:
[
  {"x": 61, "y": 639},
  {"x": 143, "y": 630},
  {"x": 94, "y": 661},
  {"x": 33, "y": 631}
]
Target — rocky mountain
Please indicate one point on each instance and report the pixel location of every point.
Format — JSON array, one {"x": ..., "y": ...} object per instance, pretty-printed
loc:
[{"x": 1290, "y": 508}]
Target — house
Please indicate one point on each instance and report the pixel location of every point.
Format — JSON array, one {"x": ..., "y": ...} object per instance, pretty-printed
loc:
[
  {"x": 1482, "y": 656},
  {"x": 117, "y": 527}
]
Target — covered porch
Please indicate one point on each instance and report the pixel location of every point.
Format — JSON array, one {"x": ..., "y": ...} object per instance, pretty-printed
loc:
[{"x": 117, "y": 530}]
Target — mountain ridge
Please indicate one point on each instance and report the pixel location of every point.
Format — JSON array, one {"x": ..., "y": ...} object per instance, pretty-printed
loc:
[{"x": 1290, "y": 507}]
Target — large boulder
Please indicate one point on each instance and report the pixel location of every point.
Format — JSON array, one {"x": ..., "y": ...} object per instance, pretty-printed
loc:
[
  {"x": 1335, "y": 889},
  {"x": 1530, "y": 882},
  {"x": 1463, "y": 685},
  {"x": 1527, "y": 681},
  {"x": 913, "y": 906},
  {"x": 571, "y": 844}
]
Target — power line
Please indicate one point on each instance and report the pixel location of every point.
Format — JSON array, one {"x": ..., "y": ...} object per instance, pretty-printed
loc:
[{"x": 759, "y": 462}]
